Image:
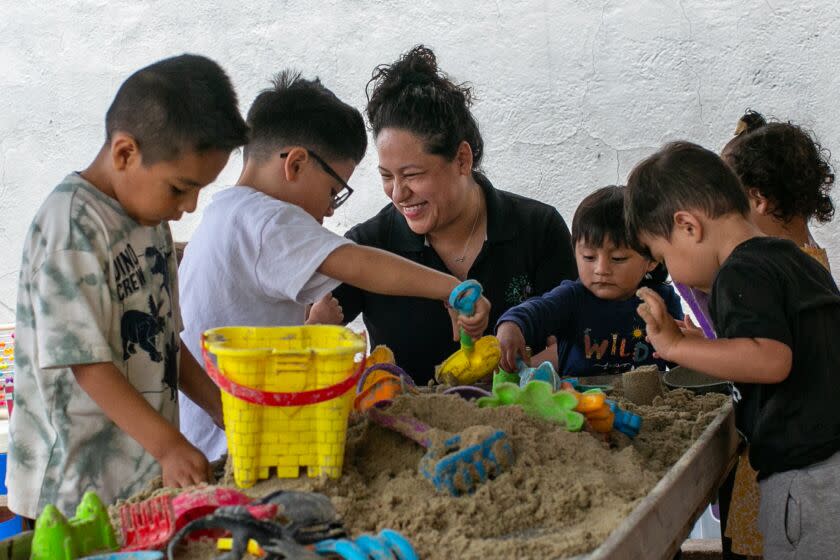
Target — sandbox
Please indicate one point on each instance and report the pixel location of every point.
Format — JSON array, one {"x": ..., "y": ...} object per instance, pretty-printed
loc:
[{"x": 568, "y": 494}]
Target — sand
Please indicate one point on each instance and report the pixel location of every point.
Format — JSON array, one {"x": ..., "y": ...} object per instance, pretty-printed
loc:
[{"x": 565, "y": 493}]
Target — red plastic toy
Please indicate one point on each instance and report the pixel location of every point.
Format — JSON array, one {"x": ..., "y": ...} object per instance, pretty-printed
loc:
[{"x": 152, "y": 523}]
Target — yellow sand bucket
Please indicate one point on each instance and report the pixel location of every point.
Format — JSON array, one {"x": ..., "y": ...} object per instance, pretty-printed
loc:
[{"x": 286, "y": 395}]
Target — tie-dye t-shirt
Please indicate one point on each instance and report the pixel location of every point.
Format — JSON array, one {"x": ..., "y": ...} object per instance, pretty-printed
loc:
[{"x": 95, "y": 286}]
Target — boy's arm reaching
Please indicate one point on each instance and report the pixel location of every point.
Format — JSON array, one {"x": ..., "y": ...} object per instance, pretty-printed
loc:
[
  {"x": 198, "y": 386},
  {"x": 512, "y": 343},
  {"x": 182, "y": 464},
  {"x": 744, "y": 360},
  {"x": 533, "y": 322},
  {"x": 382, "y": 272}
]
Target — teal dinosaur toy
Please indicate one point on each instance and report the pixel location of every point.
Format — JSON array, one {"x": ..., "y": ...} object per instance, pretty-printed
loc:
[{"x": 537, "y": 399}]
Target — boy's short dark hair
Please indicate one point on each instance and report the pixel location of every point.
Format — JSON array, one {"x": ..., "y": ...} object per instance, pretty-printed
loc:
[
  {"x": 680, "y": 176},
  {"x": 786, "y": 164},
  {"x": 178, "y": 104},
  {"x": 303, "y": 112},
  {"x": 600, "y": 217}
]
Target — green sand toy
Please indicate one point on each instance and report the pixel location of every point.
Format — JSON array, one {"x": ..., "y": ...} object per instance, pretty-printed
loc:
[
  {"x": 58, "y": 538},
  {"x": 538, "y": 400}
]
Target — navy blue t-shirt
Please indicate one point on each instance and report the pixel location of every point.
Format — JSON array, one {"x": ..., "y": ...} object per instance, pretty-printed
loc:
[{"x": 597, "y": 336}]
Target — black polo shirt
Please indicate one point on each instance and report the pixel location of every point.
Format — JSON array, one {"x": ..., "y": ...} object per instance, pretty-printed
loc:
[{"x": 528, "y": 251}]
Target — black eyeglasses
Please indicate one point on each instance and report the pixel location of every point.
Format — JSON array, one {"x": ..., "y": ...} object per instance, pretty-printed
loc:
[{"x": 342, "y": 195}]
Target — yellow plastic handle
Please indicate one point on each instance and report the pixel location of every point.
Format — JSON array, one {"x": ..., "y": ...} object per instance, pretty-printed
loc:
[{"x": 226, "y": 543}]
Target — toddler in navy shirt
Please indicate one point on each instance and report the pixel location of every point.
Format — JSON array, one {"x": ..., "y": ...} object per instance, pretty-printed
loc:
[{"x": 594, "y": 318}]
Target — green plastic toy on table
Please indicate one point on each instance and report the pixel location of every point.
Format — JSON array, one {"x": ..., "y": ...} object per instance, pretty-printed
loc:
[{"x": 58, "y": 538}]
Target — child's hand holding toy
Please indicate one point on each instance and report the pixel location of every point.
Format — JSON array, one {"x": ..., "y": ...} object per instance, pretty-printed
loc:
[
  {"x": 475, "y": 324},
  {"x": 512, "y": 342}
]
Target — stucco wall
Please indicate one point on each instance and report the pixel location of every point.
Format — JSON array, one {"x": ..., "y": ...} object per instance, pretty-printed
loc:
[{"x": 571, "y": 93}]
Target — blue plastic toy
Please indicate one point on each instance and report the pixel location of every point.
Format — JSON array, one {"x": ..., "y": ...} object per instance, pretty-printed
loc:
[
  {"x": 388, "y": 545},
  {"x": 452, "y": 467},
  {"x": 625, "y": 422},
  {"x": 543, "y": 372}
]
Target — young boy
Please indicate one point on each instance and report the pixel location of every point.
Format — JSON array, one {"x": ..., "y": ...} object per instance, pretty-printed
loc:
[
  {"x": 98, "y": 354},
  {"x": 260, "y": 254},
  {"x": 777, "y": 314},
  {"x": 594, "y": 318}
]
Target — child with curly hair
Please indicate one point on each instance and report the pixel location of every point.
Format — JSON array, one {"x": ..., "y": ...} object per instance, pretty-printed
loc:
[{"x": 787, "y": 177}]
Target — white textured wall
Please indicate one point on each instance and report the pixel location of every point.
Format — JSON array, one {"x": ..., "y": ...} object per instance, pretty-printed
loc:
[{"x": 571, "y": 92}]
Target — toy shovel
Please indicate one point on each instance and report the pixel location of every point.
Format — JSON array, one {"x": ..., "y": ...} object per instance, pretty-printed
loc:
[
  {"x": 449, "y": 463},
  {"x": 475, "y": 359}
]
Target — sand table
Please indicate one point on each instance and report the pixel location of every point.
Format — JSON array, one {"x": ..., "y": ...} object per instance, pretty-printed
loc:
[{"x": 564, "y": 495}]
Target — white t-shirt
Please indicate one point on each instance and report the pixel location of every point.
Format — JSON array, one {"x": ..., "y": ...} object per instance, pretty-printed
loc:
[
  {"x": 95, "y": 286},
  {"x": 252, "y": 261}
]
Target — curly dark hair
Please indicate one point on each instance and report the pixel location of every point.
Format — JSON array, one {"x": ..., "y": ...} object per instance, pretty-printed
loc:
[
  {"x": 414, "y": 95},
  {"x": 786, "y": 164}
]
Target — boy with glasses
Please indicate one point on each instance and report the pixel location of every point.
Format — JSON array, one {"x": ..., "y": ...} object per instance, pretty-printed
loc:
[{"x": 261, "y": 254}]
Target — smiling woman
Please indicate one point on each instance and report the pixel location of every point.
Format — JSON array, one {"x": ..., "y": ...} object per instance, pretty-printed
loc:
[{"x": 445, "y": 214}]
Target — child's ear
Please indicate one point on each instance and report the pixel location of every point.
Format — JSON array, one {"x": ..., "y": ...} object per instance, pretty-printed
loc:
[
  {"x": 652, "y": 264},
  {"x": 688, "y": 225},
  {"x": 294, "y": 162},
  {"x": 464, "y": 158},
  {"x": 759, "y": 202},
  {"x": 125, "y": 152}
]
